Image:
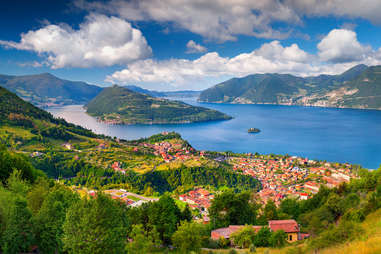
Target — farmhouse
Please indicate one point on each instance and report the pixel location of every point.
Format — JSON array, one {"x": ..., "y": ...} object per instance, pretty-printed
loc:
[{"x": 290, "y": 227}]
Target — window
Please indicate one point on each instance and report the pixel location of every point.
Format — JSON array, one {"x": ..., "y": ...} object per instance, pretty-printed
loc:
[{"x": 290, "y": 237}]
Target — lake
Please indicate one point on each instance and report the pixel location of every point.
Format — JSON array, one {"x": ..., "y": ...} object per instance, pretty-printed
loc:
[{"x": 336, "y": 135}]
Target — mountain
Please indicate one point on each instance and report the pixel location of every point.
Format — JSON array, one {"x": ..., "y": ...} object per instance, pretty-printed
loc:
[
  {"x": 47, "y": 90},
  {"x": 358, "y": 87},
  {"x": 174, "y": 94},
  {"x": 123, "y": 106}
]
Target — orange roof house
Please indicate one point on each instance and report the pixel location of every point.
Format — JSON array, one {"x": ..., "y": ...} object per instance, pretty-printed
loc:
[
  {"x": 226, "y": 232},
  {"x": 290, "y": 227}
]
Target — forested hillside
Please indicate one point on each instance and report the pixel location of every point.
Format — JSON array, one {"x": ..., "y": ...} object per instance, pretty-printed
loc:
[
  {"x": 122, "y": 106},
  {"x": 358, "y": 87},
  {"x": 47, "y": 90}
]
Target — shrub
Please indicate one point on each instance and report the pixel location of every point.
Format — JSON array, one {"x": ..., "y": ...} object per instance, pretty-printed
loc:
[{"x": 252, "y": 248}]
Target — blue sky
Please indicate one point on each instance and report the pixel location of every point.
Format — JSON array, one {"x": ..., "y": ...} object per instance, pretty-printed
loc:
[{"x": 186, "y": 44}]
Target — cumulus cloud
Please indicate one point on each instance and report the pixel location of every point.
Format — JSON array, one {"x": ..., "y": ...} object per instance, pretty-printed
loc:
[
  {"x": 341, "y": 45},
  {"x": 366, "y": 9},
  {"x": 215, "y": 19},
  {"x": 338, "y": 51},
  {"x": 225, "y": 19},
  {"x": 193, "y": 47},
  {"x": 270, "y": 57},
  {"x": 99, "y": 41}
]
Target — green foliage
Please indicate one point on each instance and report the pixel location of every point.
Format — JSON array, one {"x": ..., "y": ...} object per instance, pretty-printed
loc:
[
  {"x": 290, "y": 207},
  {"x": 229, "y": 208},
  {"x": 18, "y": 236},
  {"x": 161, "y": 181},
  {"x": 244, "y": 237},
  {"x": 262, "y": 238},
  {"x": 126, "y": 106},
  {"x": 37, "y": 194},
  {"x": 49, "y": 220},
  {"x": 270, "y": 212},
  {"x": 278, "y": 239},
  {"x": 252, "y": 248},
  {"x": 186, "y": 214},
  {"x": 57, "y": 133},
  {"x": 10, "y": 161},
  {"x": 188, "y": 237},
  {"x": 141, "y": 241},
  {"x": 346, "y": 230},
  {"x": 164, "y": 215},
  {"x": 95, "y": 225}
]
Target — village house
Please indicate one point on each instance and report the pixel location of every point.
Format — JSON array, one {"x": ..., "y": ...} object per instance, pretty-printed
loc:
[
  {"x": 67, "y": 146},
  {"x": 290, "y": 227}
]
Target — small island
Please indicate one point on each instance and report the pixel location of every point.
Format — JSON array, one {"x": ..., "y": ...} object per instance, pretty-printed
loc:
[{"x": 253, "y": 130}]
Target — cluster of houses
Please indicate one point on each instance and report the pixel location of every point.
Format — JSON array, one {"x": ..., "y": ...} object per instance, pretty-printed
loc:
[
  {"x": 290, "y": 227},
  {"x": 170, "y": 152},
  {"x": 198, "y": 199},
  {"x": 117, "y": 167},
  {"x": 291, "y": 177}
]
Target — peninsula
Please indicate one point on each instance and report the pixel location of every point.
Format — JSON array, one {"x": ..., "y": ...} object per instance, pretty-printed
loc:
[{"x": 120, "y": 105}]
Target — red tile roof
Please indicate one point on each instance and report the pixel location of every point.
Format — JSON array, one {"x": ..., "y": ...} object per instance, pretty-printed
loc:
[{"x": 288, "y": 226}]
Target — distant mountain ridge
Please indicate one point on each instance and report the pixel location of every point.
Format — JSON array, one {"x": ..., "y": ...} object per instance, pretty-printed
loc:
[
  {"x": 44, "y": 90},
  {"x": 120, "y": 105},
  {"x": 358, "y": 87},
  {"x": 47, "y": 90}
]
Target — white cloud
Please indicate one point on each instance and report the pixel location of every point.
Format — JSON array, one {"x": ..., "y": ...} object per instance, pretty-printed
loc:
[
  {"x": 270, "y": 57},
  {"x": 100, "y": 41},
  {"x": 193, "y": 47},
  {"x": 341, "y": 45},
  {"x": 221, "y": 20},
  {"x": 338, "y": 51},
  {"x": 225, "y": 19},
  {"x": 366, "y": 9}
]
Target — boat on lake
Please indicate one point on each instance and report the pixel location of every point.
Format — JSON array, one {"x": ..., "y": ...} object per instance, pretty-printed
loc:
[{"x": 253, "y": 130}]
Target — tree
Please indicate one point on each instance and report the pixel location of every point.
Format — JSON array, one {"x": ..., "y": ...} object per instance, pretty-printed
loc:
[
  {"x": 50, "y": 218},
  {"x": 95, "y": 225},
  {"x": 18, "y": 236},
  {"x": 37, "y": 194},
  {"x": 164, "y": 215},
  {"x": 141, "y": 241},
  {"x": 278, "y": 239},
  {"x": 188, "y": 237},
  {"x": 17, "y": 184},
  {"x": 270, "y": 211},
  {"x": 244, "y": 237},
  {"x": 10, "y": 161},
  {"x": 262, "y": 237},
  {"x": 291, "y": 207},
  {"x": 186, "y": 214},
  {"x": 229, "y": 208}
]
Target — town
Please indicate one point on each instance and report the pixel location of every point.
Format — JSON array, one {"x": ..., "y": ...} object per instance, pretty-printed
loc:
[{"x": 291, "y": 176}]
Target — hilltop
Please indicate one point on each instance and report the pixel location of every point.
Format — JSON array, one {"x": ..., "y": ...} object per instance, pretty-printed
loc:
[
  {"x": 123, "y": 106},
  {"x": 47, "y": 90},
  {"x": 358, "y": 87}
]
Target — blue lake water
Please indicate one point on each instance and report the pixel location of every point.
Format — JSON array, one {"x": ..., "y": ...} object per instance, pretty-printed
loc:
[{"x": 337, "y": 135}]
